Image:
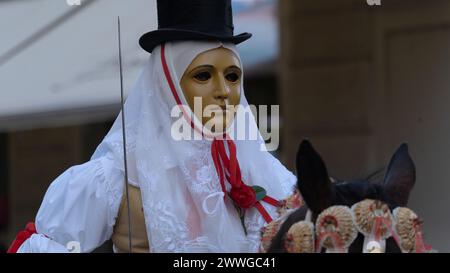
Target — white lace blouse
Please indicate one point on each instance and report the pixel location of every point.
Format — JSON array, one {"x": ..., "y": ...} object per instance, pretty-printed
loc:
[{"x": 79, "y": 209}]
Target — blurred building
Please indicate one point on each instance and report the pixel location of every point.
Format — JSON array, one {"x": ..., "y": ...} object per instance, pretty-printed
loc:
[
  {"x": 359, "y": 80},
  {"x": 61, "y": 91}
]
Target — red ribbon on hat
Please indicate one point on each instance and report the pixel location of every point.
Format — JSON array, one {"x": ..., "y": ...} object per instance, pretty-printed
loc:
[{"x": 227, "y": 167}]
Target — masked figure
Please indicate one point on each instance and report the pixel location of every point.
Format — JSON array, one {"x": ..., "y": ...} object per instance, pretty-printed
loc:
[{"x": 208, "y": 192}]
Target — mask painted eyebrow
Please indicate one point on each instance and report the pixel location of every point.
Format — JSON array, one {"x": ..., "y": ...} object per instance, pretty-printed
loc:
[
  {"x": 234, "y": 67},
  {"x": 202, "y": 66},
  {"x": 212, "y": 67}
]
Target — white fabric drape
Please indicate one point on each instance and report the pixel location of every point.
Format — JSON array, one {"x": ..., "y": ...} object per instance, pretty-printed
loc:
[{"x": 182, "y": 198}]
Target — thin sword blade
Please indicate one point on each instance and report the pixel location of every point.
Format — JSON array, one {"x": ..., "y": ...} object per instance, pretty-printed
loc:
[{"x": 124, "y": 138}]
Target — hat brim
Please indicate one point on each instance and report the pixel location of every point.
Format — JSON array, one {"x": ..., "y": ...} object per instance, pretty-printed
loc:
[{"x": 152, "y": 39}]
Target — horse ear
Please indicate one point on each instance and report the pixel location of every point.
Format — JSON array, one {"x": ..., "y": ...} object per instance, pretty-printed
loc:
[
  {"x": 312, "y": 178},
  {"x": 400, "y": 176}
]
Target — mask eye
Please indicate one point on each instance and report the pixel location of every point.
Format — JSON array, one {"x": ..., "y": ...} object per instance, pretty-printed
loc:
[
  {"x": 202, "y": 76},
  {"x": 232, "y": 77}
]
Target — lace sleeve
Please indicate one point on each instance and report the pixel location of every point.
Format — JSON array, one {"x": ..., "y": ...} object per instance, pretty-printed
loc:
[{"x": 79, "y": 208}]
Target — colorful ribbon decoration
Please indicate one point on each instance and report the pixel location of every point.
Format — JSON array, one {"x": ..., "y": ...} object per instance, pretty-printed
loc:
[
  {"x": 225, "y": 163},
  {"x": 338, "y": 244},
  {"x": 379, "y": 220},
  {"x": 333, "y": 235},
  {"x": 377, "y": 228},
  {"x": 419, "y": 242},
  {"x": 21, "y": 237}
]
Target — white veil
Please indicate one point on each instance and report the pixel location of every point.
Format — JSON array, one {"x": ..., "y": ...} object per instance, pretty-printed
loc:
[{"x": 183, "y": 202}]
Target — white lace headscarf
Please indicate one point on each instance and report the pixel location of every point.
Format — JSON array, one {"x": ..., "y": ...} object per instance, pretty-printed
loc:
[{"x": 184, "y": 206}]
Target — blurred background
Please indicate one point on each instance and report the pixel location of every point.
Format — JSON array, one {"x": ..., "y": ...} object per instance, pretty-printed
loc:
[{"x": 357, "y": 80}]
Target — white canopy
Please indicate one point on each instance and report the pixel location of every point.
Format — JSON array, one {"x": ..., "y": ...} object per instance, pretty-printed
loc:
[{"x": 59, "y": 63}]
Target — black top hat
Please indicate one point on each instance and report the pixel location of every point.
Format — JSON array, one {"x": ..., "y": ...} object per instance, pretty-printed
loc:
[{"x": 193, "y": 20}]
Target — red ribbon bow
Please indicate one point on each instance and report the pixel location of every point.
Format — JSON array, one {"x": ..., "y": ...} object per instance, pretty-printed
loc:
[{"x": 228, "y": 168}]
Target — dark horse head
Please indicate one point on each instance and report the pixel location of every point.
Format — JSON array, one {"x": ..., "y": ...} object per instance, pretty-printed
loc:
[{"x": 319, "y": 192}]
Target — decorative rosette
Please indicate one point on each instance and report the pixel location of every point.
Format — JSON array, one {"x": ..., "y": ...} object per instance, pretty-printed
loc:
[
  {"x": 292, "y": 202},
  {"x": 373, "y": 219},
  {"x": 268, "y": 233},
  {"x": 300, "y": 238},
  {"x": 367, "y": 212},
  {"x": 409, "y": 231},
  {"x": 335, "y": 229},
  {"x": 404, "y": 226}
]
